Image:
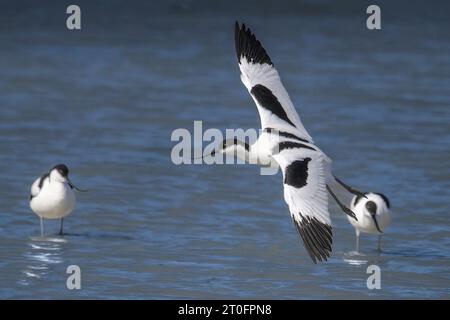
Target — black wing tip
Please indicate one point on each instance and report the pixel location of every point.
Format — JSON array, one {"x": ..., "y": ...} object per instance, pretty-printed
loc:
[
  {"x": 248, "y": 46},
  {"x": 317, "y": 237}
]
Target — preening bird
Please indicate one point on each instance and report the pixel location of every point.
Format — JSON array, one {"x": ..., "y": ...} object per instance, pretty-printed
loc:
[
  {"x": 372, "y": 212},
  {"x": 307, "y": 176},
  {"x": 52, "y": 195}
]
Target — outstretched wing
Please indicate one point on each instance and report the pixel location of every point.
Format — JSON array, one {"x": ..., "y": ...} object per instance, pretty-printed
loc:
[
  {"x": 38, "y": 184},
  {"x": 263, "y": 82},
  {"x": 305, "y": 192}
]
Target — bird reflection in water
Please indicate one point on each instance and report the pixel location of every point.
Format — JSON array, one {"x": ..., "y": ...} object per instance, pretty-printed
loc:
[{"x": 41, "y": 254}]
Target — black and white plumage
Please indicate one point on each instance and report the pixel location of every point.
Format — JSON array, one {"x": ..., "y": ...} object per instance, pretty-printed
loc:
[
  {"x": 52, "y": 195},
  {"x": 261, "y": 79},
  {"x": 373, "y": 214},
  {"x": 307, "y": 177}
]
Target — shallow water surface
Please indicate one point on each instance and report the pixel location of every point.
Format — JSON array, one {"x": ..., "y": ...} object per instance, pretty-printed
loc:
[{"x": 106, "y": 100}]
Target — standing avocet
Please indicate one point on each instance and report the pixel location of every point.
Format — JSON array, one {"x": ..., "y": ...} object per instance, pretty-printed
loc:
[
  {"x": 306, "y": 169},
  {"x": 52, "y": 195},
  {"x": 373, "y": 215}
]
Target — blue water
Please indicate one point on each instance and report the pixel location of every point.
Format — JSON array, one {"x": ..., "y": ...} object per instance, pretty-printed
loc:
[{"x": 106, "y": 99}]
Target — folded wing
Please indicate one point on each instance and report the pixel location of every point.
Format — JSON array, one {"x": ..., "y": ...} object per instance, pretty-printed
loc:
[{"x": 37, "y": 185}]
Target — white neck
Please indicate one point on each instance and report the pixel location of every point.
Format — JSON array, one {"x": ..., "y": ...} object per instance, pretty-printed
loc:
[{"x": 55, "y": 176}]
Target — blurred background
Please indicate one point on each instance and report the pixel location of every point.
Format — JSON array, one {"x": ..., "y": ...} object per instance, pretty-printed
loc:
[{"x": 105, "y": 100}]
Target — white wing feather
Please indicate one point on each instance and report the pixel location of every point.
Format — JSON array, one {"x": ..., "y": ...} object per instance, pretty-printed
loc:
[
  {"x": 305, "y": 168},
  {"x": 308, "y": 202},
  {"x": 257, "y": 69}
]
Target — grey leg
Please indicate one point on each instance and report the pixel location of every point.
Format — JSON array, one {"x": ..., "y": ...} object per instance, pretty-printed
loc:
[
  {"x": 42, "y": 227},
  {"x": 61, "y": 227}
]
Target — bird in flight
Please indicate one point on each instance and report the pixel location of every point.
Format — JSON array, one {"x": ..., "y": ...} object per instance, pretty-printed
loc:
[{"x": 306, "y": 169}]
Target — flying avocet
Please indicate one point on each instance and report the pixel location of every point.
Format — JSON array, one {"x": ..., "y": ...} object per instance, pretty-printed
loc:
[
  {"x": 372, "y": 213},
  {"x": 52, "y": 196},
  {"x": 307, "y": 176}
]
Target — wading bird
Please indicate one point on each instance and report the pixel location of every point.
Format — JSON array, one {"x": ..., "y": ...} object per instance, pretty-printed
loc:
[
  {"x": 373, "y": 215},
  {"x": 307, "y": 176},
  {"x": 52, "y": 196}
]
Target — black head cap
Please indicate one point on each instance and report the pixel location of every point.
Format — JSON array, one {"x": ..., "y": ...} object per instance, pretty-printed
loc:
[
  {"x": 62, "y": 169},
  {"x": 371, "y": 207}
]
